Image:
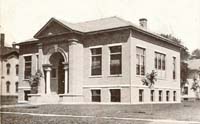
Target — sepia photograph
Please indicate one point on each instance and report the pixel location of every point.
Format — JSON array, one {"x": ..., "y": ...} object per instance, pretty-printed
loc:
[{"x": 100, "y": 62}]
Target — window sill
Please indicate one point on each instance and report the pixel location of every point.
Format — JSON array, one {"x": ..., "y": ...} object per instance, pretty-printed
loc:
[
  {"x": 117, "y": 75},
  {"x": 140, "y": 76},
  {"x": 95, "y": 76}
]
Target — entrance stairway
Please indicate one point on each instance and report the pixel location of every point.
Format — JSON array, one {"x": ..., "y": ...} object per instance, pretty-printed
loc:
[{"x": 44, "y": 99}]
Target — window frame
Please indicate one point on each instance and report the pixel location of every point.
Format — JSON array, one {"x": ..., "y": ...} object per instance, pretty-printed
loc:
[
  {"x": 17, "y": 69},
  {"x": 160, "y": 95},
  {"x": 7, "y": 86},
  {"x": 91, "y": 60},
  {"x": 26, "y": 62},
  {"x": 116, "y": 97},
  {"x": 114, "y": 54},
  {"x": 16, "y": 87},
  {"x": 8, "y": 66},
  {"x": 152, "y": 95},
  {"x": 140, "y": 63},
  {"x": 160, "y": 64},
  {"x": 97, "y": 95},
  {"x": 174, "y": 96},
  {"x": 174, "y": 68},
  {"x": 141, "y": 95},
  {"x": 167, "y": 95}
]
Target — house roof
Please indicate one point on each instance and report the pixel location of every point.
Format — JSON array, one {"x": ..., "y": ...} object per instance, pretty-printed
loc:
[
  {"x": 8, "y": 50},
  {"x": 104, "y": 24},
  {"x": 194, "y": 64}
]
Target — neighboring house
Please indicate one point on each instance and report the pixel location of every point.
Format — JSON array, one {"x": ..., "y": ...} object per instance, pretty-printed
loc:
[
  {"x": 99, "y": 61},
  {"x": 193, "y": 73},
  {"x": 9, "y": 70}
]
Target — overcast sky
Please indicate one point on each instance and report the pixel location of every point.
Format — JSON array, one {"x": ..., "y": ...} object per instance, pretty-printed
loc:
[{"x": 21, "y": 19}]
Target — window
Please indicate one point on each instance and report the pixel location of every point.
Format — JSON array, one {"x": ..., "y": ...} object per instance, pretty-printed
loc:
[
  {"x": 140, "y": 57},
  {"x": 17, "y": 69},
  {"x": 160, "y": 61},
  {"x": 96, "y": 61},
  {"x": 141, "y": 93},
  {"x": 8, "y": 86},
  {"x": 160, "y": 64},
  {"x": 174, "y": 68},
  {"x": 16, "y": 87},
  {"x": 115, "y": 60},
  {"x": 8, "y": 68},
  {"x": 152, "y": 95},
  {"x": 27, "y": 72},
  {"x": 160, "y": 95},
  {"x": 167, "y": 95},
  {"x": 115, "y": 95},
  {"x": 96, "y": 95},
  {"x": 185, "y": 90},
  {"x": 53, "y": 73},
  {"x": 174, "y": 95}
]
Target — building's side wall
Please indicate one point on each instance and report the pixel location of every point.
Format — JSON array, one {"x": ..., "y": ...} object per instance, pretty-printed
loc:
[
  {"x": 151, "y": 46},
  {"x": 12, "y": 77},
  {"x": 105, "y": 82},
  {"x": 11, "y": 96}
]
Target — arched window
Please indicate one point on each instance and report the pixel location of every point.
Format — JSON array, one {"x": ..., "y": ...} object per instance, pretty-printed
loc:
[
  {"x": 8, "y": 68},
  {"x": 8, "y": 86},
  {"x": 16, "y": 87},
  {"x": 17, "y": 69}
]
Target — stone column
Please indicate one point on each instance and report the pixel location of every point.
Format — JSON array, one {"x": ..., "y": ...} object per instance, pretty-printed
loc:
[
  {"x": 48, "y": 73},
  {"x": 41, "y": 88},
  {"x": 66, "y": 68}
]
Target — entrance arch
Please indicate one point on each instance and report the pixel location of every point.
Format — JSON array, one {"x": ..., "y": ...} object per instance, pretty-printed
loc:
[{"x": 57, "y": 76}]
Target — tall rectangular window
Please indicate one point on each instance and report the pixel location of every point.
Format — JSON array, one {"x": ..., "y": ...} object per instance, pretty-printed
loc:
[
  {"x": 160, "y": 63},
  {"x": 160, "y": 95},
  {"x": 96, "y": 54},
  {"x": 96, "y": 95},
  {"x": 167, "y": 95},
  {"x": 115, "y": 60},
  {"x": 174, "y": 68},
  {"x": 174, "y": 95},
  {"x": 16, "y": 87},
  {"x": 37, "y": 61},
  {"x": 140, "y": 57},
  {"x": 17, "y": 69},
  {"x": 141, "y": 95},
  {"x": 152, "y": 95},
  {"x": 8, "y": 68},
  {"x": 115, "y": 95},
  {"x": 8, "y": 86},
  {"x": 27, "y": 68}
]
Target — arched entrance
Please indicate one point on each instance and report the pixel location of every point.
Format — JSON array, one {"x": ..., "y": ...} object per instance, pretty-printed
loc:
[{"x": 57, "y": 76}]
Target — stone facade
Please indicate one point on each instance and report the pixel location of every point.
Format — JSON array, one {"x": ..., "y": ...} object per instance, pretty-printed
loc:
[{"x": 74, "y": 48}]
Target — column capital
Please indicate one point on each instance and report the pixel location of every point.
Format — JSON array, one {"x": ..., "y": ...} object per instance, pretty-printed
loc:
[
  {"x": 72, "y": 41},
  {"x": 47, "y": 67},
  {"x": 66, "y": 66}
]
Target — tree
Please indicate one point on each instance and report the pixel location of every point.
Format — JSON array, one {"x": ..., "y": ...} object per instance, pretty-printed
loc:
[
  {"x": 195, "y": 87},
  {"x": 34, "y": 81},
  {"x": 184, "y": 50},
  {"x": 184, "y": 56},
  {"x": 196, "y": 54},
  {"x": 150, "y": 79}
]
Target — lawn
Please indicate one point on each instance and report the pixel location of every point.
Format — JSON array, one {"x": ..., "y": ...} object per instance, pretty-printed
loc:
[{"x": 187, "y": 111}]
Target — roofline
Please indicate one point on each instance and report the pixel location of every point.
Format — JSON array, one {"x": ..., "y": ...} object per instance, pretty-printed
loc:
[{"x": 106, "y": 30}]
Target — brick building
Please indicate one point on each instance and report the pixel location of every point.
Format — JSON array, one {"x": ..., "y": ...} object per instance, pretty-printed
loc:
[
  {"x": 9, "y": 70},
  {"x": 99, "y": 61}
]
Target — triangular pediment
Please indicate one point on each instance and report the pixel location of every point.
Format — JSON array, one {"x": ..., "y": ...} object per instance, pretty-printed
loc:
[{"x": 51, "y": 28}]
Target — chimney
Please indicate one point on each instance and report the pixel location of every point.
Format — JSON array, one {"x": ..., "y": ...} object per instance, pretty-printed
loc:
[
  {"x": 143, "y": 23},
  {"x": 14, "y": 44},
  {"x": 2, "y": 38}
]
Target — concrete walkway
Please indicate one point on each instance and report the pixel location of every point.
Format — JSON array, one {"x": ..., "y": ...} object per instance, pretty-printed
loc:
[{"x": 151, "y": 121}]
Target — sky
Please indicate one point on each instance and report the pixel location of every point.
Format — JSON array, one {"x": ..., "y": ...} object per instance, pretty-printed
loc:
[{"x": 21, "y": 19}]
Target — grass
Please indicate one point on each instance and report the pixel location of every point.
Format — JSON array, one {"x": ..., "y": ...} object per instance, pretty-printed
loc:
[{"x": 185, "y": 111}]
